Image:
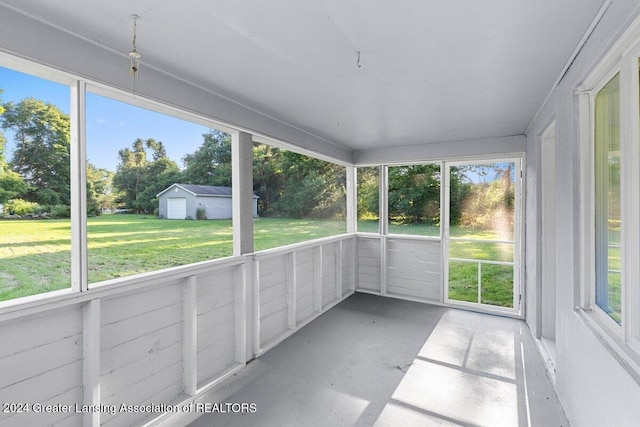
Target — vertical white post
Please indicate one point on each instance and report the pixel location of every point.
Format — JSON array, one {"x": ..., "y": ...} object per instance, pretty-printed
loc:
[
  {"x": 317, "y": 279},
  {"x": 518, "y": 271},
  {"x": 256, "y": 307},
  {"x": 242, "y": 201},
  {"x": 445, "y": 171},
  {"x": 91, "y": 363},
  {"x": 248, "y": 307},
  {"x": 240, "y": 305},
  {"x": 190, "y": 336},
  {"x": 339, "y": 256},
  {"x": 384, "y": 227},
  {"x": 291, "y": 290},
  {"x": 242, "y": 192},
  {"x": 479, "y": 282},
  {"x": 354, "y": 260},
  {"x": 78, "y": 188},
  {"x": 352, "y": 199},
  {"x": 383, "y": 197}
]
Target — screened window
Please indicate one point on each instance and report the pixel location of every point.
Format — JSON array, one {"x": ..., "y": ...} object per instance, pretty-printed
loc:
[
  {"x": 158, "y": 190},
  {"x": 299, "y": 198},
  {"x": 414, "y": 200},
  {"x": 35, "y": 199},
  {"x": 368, "y": 199},
  {"x": 607, "y": 198}
]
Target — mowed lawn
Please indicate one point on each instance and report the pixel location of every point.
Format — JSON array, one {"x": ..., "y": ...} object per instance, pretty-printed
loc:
[{"x": 35, "y": 255}]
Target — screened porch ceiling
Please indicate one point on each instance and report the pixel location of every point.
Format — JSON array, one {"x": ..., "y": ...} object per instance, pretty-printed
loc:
[{"x": 361, "y": 74}]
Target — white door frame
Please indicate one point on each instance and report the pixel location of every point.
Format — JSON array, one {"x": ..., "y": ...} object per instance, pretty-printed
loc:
[{"x": 518, "y": 291}]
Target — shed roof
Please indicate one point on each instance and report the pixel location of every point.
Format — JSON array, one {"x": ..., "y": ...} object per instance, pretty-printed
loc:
[{"x": 202, "y": 190}]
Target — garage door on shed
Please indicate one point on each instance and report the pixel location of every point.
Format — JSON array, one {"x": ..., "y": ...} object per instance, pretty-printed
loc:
[{"x": 176, "y": 208}]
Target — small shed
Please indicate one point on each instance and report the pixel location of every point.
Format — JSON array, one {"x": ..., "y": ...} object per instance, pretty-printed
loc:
[{"x": 180, "y": 201}]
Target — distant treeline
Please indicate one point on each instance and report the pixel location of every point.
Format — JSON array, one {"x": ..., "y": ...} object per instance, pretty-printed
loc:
[{"x": 291, "y": 185}]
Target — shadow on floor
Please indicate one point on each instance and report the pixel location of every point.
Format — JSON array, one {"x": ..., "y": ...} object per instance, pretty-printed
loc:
[{"x": 385, "y": 362}]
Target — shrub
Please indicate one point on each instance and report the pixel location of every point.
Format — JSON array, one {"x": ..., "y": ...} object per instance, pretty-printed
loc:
[
  {"x": 20, "y": 207},
  {"x": 201, "y": 212},
  {"x": 61, "y": 211}
]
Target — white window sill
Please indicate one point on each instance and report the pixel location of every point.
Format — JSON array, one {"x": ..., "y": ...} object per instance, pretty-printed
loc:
[{"x": 624, "y": 354}]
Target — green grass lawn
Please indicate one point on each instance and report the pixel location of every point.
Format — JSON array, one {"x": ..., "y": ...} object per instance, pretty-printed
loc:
[
  {"x": 35, "y": 255},
  {"x": 496, "y": 280}
]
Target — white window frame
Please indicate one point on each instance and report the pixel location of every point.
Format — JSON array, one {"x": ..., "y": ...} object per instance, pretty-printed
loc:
[{"x": 624, "y": 339}]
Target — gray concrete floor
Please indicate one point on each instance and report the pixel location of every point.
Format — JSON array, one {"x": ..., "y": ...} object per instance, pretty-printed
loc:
[{"x": 373, "y": 361}]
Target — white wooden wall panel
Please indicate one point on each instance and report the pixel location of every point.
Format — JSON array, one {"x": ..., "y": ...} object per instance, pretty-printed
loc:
[
  {"x": 216, "y": 309},
  {"x": 114, "y": 384},
  {"x": 161, "y": 387},
  {"x": 305, "y": 271},
  {"x": 216, "y": 358},
  {"x": 329, "y": 263},
  {"x": 141, "y": 356},
  {"x": 141, "y": 348},
  {"x": 369, "y": 278},
  {"x": 41, "y": 360},
  {"x": 273, "y": 297},
  {"x": 273, "y": 326},
  {"x": 297, "y": 283},
  {"x": 348, "y": 266},
  {"x": 413, "y": 268}
]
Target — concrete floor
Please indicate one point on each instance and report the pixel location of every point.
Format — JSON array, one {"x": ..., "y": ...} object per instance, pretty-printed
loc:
[{"x": 374, "y": 361}]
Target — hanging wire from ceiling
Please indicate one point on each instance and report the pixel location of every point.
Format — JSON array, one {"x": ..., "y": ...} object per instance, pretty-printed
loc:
[{"x": 134, "y": 55}]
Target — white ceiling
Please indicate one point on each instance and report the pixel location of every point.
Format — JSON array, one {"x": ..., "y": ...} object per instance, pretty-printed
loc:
[{"x": 429, "y": 71}]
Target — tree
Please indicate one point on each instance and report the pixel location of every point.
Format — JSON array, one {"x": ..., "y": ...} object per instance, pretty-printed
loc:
[
  {"x": 486, "y": 205},
  {"x": 11, "y": 186},
  {"x": 210, "y": 164},
  {"x": 139, "y": 179},
  {"x": 267, "y": 177},
  {"x": 3, "y": 142},
  {"x": 414, "y": 193},
  {"x": 42, "y": 154},
  {"x": 311, "y": 188},
  {"x": 368, "y": 192},
  {"x": 99, "y": 192}
]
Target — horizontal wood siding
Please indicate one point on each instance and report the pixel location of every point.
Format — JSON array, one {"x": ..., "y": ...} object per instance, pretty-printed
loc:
[
  {"x": 144, "y": 352},
  {"x": 369, "y": 263},
  {"x": 299, "y": 282},
  {"x": 413, "y": 268},
  {"x": 41, "y": 362},
  {"x": 305, "y": 271},
  {"x": 329, "y": 262},
  {"x": 216, "y": 327},
  {"x": 141, "y": 351},
  {"x": 348, "y": 267},
  {"x": 273, "y": 297}
]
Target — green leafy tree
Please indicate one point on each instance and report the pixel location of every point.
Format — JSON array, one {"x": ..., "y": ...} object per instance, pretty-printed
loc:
[
  {"x": 140, "y": 179},
  {"x": 3, "y": 143},
  {"x": 311, "y": 188},
  {"x": 368, "y": 192},
  {"x": 42, "y": 153},
  {"x": 210, "y": 164},
  {"x": 11, "y": 186},
  {"x": 99, "y": 193},
  {"x": 267, "y": 177},
  {"x": 490, "y": 205},
  {"x": 414, "y": 194}
]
